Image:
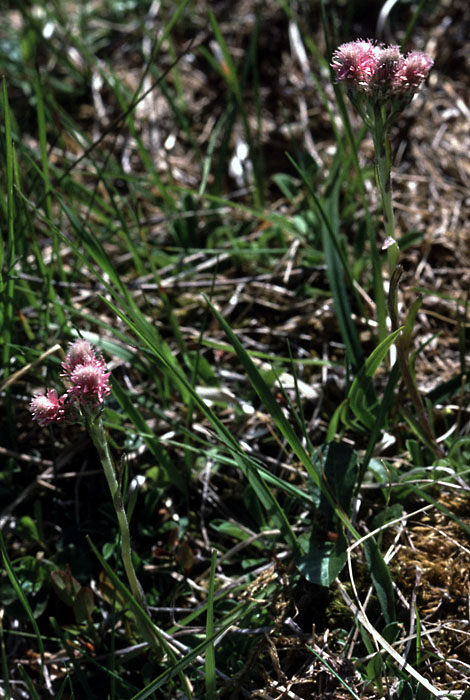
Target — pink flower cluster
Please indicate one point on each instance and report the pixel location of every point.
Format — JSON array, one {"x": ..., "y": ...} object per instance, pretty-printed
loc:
[
  {"x": 378, "y": 69},
  {"x": 89, "y": 385}
]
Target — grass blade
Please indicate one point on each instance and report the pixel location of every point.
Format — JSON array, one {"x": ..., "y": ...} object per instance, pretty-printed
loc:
[
  {"x": 22, "y": 598},
  {"x": 211, "y": 691}
]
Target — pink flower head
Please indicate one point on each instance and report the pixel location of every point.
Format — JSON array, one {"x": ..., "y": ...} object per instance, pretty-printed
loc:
[
  {"x": 80, "y": 352},
  {"x": 355, "y": 62},
  {"x": 388, "y": 62},
  {"x": 90, "y": 382},
  {"x": 47, "y": 408},
  {"x": 380, "y": 72},
  {"x": 413, "y": 71}
]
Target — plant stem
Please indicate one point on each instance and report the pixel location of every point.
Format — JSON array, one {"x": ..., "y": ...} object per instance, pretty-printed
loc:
[
  {"x": 383, "y": 170},
  {"x": 98, "y": 436},
  {"x": 375, "y": 121},
  {"x": 408, "y": 378}
]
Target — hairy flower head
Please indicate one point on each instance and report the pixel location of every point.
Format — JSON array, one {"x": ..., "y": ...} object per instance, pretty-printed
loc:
[
  {"x": 355, "y": 62},
  {"x": 80, "y": 352},
  {"x": 413, "y": 71},
  {"x": 47, "y": 408},
  {"x": 379, "y": 72},
  {"x": 90, "y": 383},
  {"x": 388, "y": 61}
]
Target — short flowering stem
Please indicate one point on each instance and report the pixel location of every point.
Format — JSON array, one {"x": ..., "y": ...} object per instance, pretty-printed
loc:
[
  {"x": 98, "y": 436},
  {"x": 87, "y": 378}
]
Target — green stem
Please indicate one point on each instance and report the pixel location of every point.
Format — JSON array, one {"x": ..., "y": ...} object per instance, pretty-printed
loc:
[
  {"x": 408, "y": 378},
  {"x": 98, "y": 436},
  {"x": 383, "y": 170},
  {"x": 375, "y": 122},
  {"x": 384, "y": 181}
]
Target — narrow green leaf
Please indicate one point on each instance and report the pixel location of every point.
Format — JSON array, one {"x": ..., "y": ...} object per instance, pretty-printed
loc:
[
  {"x": 7, "y": 252},
  {"x": 279, "y": 418},
  {"x": 21, "y": 596},
  {"x": 34, "y": 695},
  {"x": 148, "y": 436},
  {"x": 334, "y": 673},
  {"x": 211, "y": 689},
  {"x": 338, "y": 269},
  {"x": 179, "y": 666},
  {"x": 381, "y": 579},
  {"x": 359, "y": 392},
  {"x": 246, "y": 465}
]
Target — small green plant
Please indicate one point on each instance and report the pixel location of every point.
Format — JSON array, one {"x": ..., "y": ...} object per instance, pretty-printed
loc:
[
  {"x": 380, "y": 83},
  {"x": 88, "y": 384}
]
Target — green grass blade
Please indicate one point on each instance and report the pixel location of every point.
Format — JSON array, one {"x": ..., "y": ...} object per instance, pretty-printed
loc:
[
  {"x": 5, "y": 669},
  {"x": 34, "y": 695},
  {"x": 379, "y": 293},
  {"x": 7, "y": 260},
  {"x": 279, "y": 419},
  {"x": 138, "y": 610},
  {"x": 179, "y": 666},
  {"x": 16, "y": 585},
  {"x": 150, "y": 440},
  {"x": 381, "y": 579},
  {"x": 333, "y": 672},
  {"x": 140, "y": 326},
  {"x": 412, "y": 23},
  {"x": 380, "y": 419},
  {"x": 229, "y": 73},
  {"x": 43, "y": 145},
  {"x": 337, "y": 270},
  {"x": 211, "y": 691},
  {"x": 79, "y": 671},
  {"x": 359, "y": 392}
]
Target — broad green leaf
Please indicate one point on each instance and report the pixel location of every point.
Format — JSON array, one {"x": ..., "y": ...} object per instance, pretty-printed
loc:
[
  {"x": 65, "y": 585},
  {"x": 324, "y": 560},
  {"x": 374, "y": 671},
  {"x": 337, "y": 464}
]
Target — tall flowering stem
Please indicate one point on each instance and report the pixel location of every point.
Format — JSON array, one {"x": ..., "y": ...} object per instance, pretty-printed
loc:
[
  {"x": 383, "y": 172},
  {"x": 380, "y": 82},
  {"x": 98, "y": 435},
  {"x": 87, "y": 378}
]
